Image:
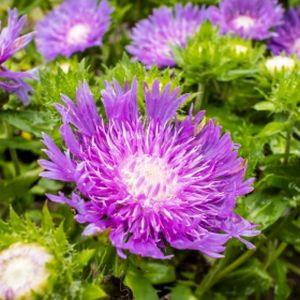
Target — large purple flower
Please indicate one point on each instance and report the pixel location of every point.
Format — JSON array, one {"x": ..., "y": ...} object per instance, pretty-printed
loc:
[
  {"x": 152, "y": 181},
  {"x": 73, "y": 26},
  {"x": 251, "y": 19},
  {"x": 288, "y": 34},
  {"x": 10, "y": 43},
  {"x": 153, "y": 38}
]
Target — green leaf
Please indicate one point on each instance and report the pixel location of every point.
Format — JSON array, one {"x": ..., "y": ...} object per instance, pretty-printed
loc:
[
  {"x": 83, "y": 257},
  {"x": 181, "y": 292},
  {"x": 20, "y": 143},
  {"x": 272, "y": 128},
  {"x": 262, "y": 208},
  {"x": 92, "y": 291},
  {"x": 61, "y": 238},
  {"x": 15, "y": 220},
  {"x": 265, "y": 105},
  {"x": 141, "y": 286},
  {"x": 290, "y": 234},
  {"x": 282, "y": 290},
  {"x": 18, "y": 186},
  {"x": 158, "y": 272},
  {"x": 246, "y": 281},
  {"x": 47, "y": 222},
  {"x": 31, "y": 121}
]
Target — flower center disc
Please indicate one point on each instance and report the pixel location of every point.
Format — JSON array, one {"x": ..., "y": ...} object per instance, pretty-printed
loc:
[
  {"x": 14, "y": 273},
  {"x": 244, "y": 22},
  {"x": 149, "y": 178},
  {"x": 78, "y": 34}
]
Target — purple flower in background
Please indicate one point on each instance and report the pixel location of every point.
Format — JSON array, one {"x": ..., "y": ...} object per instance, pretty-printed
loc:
[
  {"x": 152, "y": 181},
  {"x": 288, "y": 34},
  {"x": 153, "y": 38},
  {"x": 10, "y": 43},
  {"x": 251, "y": 19},
  {"x": 73, "y": 26}
]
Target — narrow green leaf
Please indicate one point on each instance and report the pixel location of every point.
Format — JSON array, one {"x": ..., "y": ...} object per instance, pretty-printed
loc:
[{"x": 265, "y": 105}]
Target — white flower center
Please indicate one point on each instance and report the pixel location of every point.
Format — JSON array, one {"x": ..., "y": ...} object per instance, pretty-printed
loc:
[
  {"x": 78, "y": 34},
  {"x": 149, "y": 178},
  {"x": 244, "y": 22},
  {"x": 278, "y": 63},
  {"x": 23, "y": 269},
  {"x": 296, "y": 47}
]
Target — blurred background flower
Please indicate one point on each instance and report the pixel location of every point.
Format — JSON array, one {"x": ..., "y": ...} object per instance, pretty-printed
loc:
[
  {"x": 73, "y": 26},
  {"x": 252, "y": 19},
  {"x": 154, "y": 37}
]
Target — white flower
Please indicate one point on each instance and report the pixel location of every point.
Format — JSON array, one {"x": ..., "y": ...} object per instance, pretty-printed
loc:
[
  {"x": 23, "y": 270},
  {"x": 279, "y": 63}
]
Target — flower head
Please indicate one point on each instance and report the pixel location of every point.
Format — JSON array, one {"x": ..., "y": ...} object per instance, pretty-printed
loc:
[
  {"x": 152, "y": 181},
  {"x": 251, "y": 19},
  {"x": 153, "y": 38},
  {"x": 73, "y": 26},
  {"x": 10, "y": 43},
  {"x": 23, "y": 270},
  {"x": 288, "y": 34},
  {"x": 279, "y": 63}
]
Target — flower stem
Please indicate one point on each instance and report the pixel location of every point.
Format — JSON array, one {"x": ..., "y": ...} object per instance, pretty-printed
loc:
[
  {"x": 275, "y": 254},
  {"x": 200, "y": 97},
  {"x": 15, "y": 160},
  {"x": 287, "y": 146}
]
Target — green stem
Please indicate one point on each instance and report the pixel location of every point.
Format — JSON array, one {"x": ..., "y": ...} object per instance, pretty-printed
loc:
[
  {"x": 275, "y": 254},
  {"x": 15, "y": 160},
  {"x": 287, "y": 146},
  {"x": 200, "y": 97}
]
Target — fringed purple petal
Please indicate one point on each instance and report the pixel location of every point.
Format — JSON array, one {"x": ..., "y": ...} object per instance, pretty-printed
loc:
[
  {"x": 84, "y": 116},
  {"x": 10, "y": 42},
  {"x": 162, "y": 106},
  {"x": 60, "y": 167},
  {"x": 121, "y": 104}
]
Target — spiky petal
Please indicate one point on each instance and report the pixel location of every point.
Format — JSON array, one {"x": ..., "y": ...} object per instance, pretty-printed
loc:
[{"x": 10, "y": 43}]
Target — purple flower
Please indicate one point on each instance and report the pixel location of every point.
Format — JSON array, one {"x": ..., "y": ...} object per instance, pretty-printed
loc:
[
  {"x": 288, "y": 34},
  {"x": 153, "y": 38},
  {"x": 73, "y": 26},
  {"x": 10, "y": 43},
  {"x": 251, "y": 19},
  {"x": 152, "y": 181}
]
